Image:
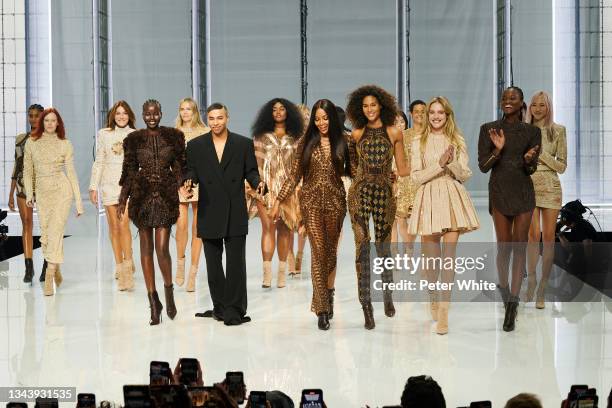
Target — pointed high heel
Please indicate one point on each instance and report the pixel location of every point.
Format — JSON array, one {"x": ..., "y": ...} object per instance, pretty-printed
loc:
[
  {"x": 331, "y": 293},
  {"x": 180, "y": 272},
  {"x": 29, "y": 271},
  {"x": 170, "y": 306},
  {"x": 368, "y": 316},
  {"x": 156, "y": 308}
]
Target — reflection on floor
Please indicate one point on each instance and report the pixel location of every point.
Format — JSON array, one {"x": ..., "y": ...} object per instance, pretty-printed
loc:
[{"x": 94, "y": 338}]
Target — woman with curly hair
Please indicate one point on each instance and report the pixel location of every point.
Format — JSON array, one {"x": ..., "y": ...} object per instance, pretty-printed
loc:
[
  {"x": 278, "y": 126},
  {"x": 374, "y": 143},
  {"x": 153, "y": 167},
  {"x": 105, "y": 175}
]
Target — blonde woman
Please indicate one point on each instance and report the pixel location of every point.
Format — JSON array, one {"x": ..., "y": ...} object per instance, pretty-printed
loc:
[
  {"x": 442, "y": 207},
  {"x": 190, "y": 123},
  {"x": 551, "y": 163},
  {"x": 105, "y": 175}
]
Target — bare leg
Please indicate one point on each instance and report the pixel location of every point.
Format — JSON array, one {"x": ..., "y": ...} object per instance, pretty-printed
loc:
[
  {"x": 146, "y": 257},
  {"x": 268, "y": 233},
  {"x": 549, "y": 223},
  {"x": 162, "y": 250},
  {"x": 196, "y": 243},
  {"x": 26, "y": 215},
  {"x": 125, "y": 236},
  {"x": 284, "y": 239},
  {"x": 503, "y": 231},
  {"x": 533, "y": 250},
  {"x": 114, "y": 230},
  {"x": 520, "y": 235},
  {"x": 182, "y": 230}
]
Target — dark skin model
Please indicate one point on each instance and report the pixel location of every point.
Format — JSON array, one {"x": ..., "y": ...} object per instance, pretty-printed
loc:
[
  {"x": 511, "y": 228},
  {"x": 152, "y": 116}
]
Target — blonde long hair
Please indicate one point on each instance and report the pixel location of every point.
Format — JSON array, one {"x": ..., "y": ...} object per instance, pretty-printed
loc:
[
  {"x": 451, "y": 130},
  {"x": 548, "y": 120},
  {"x": 196, "y": 119}
]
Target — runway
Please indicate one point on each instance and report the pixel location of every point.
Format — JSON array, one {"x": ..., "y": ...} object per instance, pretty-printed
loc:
[{"x": 97, "y": 339}]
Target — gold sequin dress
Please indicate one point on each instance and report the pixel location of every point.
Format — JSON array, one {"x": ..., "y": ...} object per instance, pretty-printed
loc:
[
  {"x": 106, "y": 170},
  {"x": 323, "y": 206},
  {"x": 17, "y": 175},
  {"x": 552, "y": 162},
  {"x": 48, "y": 164},
  {"x": 371, "y": 195},
  {"x": 190, "y": 134},
  {"x": 405, "y": 186},
  {"x": 275, "y": 157}
]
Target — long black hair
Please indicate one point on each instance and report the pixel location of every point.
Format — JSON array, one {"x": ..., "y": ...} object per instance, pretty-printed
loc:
[
  {"x": 337, "y": 140},
  {"x": 264, "y": 122}
]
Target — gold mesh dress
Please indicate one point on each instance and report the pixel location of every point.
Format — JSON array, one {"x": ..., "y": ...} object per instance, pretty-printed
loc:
[
  {"x": 552, "y": 162},
  {"x": 274, "y": 159},
  {"x": 371, "y": 194},
  {"x": 323, "y": 206}
]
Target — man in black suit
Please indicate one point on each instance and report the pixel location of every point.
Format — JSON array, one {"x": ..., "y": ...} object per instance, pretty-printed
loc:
[{"x": 219, "y": 162}]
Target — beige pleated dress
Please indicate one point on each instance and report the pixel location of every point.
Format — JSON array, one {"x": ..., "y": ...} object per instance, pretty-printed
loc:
[
  {"x": 45, "y": 160},
  {"x": 441, "y": 202}
]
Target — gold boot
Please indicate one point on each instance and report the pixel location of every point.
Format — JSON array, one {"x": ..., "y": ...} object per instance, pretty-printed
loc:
[
  {"x": 180, "y": 272},
  {"x": 58, "y": 276},
  {"x": 442, "y": 327},
  {"x": 48, "y": 289},
  {"x": 191, "y": 283},
  {"x": 281, "y": 278},
  {"x": 267, "y": 274}
]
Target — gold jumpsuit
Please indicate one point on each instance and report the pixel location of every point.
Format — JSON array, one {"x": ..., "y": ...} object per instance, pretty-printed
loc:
[
  {"x": 371, "y": 194},
  {"x": 43, "y": 165},
  {"x": 323, "y": 206}
]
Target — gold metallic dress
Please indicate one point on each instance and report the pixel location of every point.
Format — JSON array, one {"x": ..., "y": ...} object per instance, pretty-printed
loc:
[
  {"x": 275, "y": 157},
  {"x": 371, "y": 195},
  {"x": 45, "y": 160},
  {"x": 405, "y": 186},
  {"x": 323, "y": 205},
  {"x": 552, "y": 162}
]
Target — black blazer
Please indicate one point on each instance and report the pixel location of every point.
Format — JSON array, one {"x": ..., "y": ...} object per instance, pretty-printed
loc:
[{"x": 222, "y": 208}]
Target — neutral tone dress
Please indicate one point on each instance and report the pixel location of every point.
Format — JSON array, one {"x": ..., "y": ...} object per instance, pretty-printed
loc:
[
  {"x": 17, "y": 175},
  {"x": 48, "y": 164},
  {"x": 441, "y": 202},
  {"x": 106, "y": 169},
  {"x": 323, "y": 206},
  {"x": 552, "y": 162},
  {"x": 274, "y": 159},
  {"x": 190, "y": 134},
  {"x": 405, "y": 186}
]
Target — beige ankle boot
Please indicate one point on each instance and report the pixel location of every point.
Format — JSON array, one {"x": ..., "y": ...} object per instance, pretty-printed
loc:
[
  {"x": 282, "y": 275},
  {"x": 442, "y": 327},
  {"x": 121, "y": 271},
  {"x": 267, "y": 274},
  {"x": 191, "y": 283},
  {"x": 130, "y": 263},
  {"x": 433, "y": 305},
  {"x": 180, "y": 272},
  {"x": 58, "y": 276},
  {"x": 128, "y": 274},
  {"x": 291, "y": 263},
  {"x": 48, "y": 289}
]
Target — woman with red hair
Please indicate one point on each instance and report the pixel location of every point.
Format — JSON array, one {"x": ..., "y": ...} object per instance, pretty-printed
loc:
[{"x": 48, "y": 165}]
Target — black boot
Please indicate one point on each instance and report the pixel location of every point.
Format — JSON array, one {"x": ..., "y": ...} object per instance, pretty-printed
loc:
[
  {"x": 170, "y": 306},
  {"x": 323, "y": 321},
  {"x": 388, "y": 299},
  {"x": 44, "y": 272},
  {"x": 511, "y": 311},
  {"x": 156, "y": 308},
  {"x": 29, "y": 270},
  {"x": 331, "y": 293},
  {"x": 505, "y": 295},
  {"x": 368, "y": 315}
]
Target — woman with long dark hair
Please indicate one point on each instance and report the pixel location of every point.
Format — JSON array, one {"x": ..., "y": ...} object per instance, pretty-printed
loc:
[
  {"x": 25, "y": 212},
  {"x": 105, "y": 175},
  {"x": 509, "y": 147},
  {"x": 278, "y": 126},
  {"x": 374, "y": 143},
  {"x": 48, "y": 164},
  {"x": 153, "y": 168},
  {"x": 322, "y": 158}
]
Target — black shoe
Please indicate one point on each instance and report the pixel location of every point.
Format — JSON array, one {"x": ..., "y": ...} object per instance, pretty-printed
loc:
[
  {"x": 211, "y": 314},
  {"x": 388, "y": 299},
  {"x": 170, "y": 306},
  {"x": 323, "y": 321},
  {"x": 156, "y": 308},
  {"x": 368, "y": 315},
  {"x": 236, "y": 321},
  {"x": 29, "y": 271},
  {"x": 511, "y": 312},
  {"x": 44, "y": 272},
  {"x": 331, "y": 293}
]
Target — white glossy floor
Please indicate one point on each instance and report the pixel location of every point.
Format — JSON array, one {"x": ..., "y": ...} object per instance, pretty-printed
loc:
[{"x": 93, "y": 337}]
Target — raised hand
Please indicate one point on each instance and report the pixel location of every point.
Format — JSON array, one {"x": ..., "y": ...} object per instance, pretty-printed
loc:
[
  {"x": 93, "y": 197},
  {"x": 531, "y": 153},
  {"x": 498, "y": 138}
]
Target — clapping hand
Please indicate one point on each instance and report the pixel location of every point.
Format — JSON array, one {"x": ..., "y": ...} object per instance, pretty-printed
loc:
[
  {"x": 531, "y": 153},
  {"x": 498, "y": 138},
  {"x": 447, "y": 156}
]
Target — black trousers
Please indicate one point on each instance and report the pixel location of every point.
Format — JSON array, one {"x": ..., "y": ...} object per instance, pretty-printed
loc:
[{"x": 227, "y": 290}]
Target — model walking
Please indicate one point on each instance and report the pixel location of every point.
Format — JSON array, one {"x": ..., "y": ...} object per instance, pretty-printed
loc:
[
  {"x": 153, "y": 168},
  {"x": 190, "y": 123},
  {"x": 105, "y": 175},
  {"x": 17, "y": 186},
  {"x": 374, "y": 143},
  {"x": 510, "y": 148},
  {"x": 48, "y": 164},
  {"x": 322, "y": 158}
]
